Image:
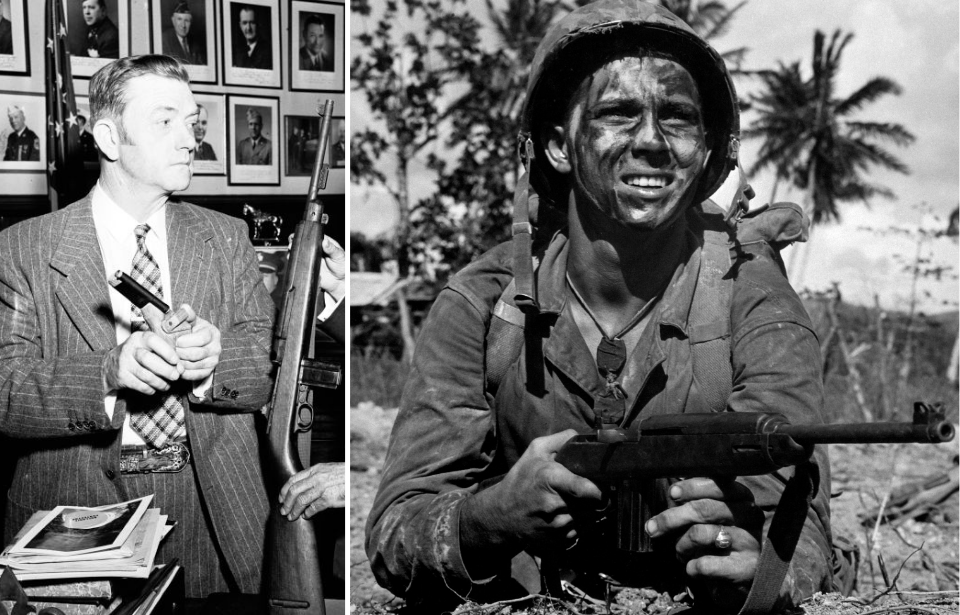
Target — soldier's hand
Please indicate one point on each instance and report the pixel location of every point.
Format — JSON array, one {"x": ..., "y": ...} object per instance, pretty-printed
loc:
[
  {"x": 699, "y": 508},
  {"x": 531, "y": 508},
  {"x": 199, "y": 350},
  {"x": 145, "y": 363}
]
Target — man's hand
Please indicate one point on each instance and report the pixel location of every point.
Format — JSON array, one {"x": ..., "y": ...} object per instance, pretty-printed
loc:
[
  {"x": 93, "y": 53},
  {"x": 199, "y": 350},
  {"x": 700, "y": 508},
  {"x": 530, "y": 509},
  {"x": 333, "y": 268},
  {"x": 317, "y": 488},
  {"x": 145, "y": 363}
]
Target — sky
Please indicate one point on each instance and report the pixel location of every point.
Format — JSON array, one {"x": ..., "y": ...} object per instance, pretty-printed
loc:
[{"x": 916, "y": 44}]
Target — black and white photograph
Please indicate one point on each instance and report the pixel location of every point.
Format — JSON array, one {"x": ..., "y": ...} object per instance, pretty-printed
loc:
[
  {"x": 338, "y": 143},
  {"x": 88, "y": 145},
  {"x": 187, "y": 31},
  {"x": 302, "y": 134},
  {"x": 23, "y": 132},
  {"x": 210, "y": 157},
  {"x": 14, "y": 59},
  {"x": 254, "y": 151},
  {"x": 97, "y": 33},
  {"x": 317, "y": 51},
  {"x": 603, "y": 254},
  {"x": 251, "y": 43}
]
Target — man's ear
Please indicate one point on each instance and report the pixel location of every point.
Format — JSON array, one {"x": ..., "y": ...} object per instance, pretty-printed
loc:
[
  {"x": 107, "y": 136},
  {"x": 555, "y": 148}
]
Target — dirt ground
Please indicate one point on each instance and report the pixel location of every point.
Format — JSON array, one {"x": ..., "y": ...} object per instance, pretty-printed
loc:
[{"x": 912, "y": 568}]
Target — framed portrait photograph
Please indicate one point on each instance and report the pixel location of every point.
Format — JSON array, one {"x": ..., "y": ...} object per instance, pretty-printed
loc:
[
  {"x": 210, "y": 157},
  {"x": 337, "y": 154},
  {"x": 301, "y": 135},
  {"x": 316, "y": 47},
  {"x": 23, "y": 136},
  {"x": 14, "y": 59},
  {"x": 254, "y": 156},
  {"x": 187, "y": 31},
  {"x": 98, "y": 31},
  {"x": 251, "y": 43},
  {"x": 91, "y": 153}
]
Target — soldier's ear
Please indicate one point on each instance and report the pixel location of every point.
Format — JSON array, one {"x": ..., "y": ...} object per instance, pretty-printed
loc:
[
  {"x": 107, "y": 135},
  {"x": 554, "y": 142}
]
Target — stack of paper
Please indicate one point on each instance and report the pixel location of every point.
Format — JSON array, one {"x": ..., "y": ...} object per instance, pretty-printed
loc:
[{"x": 68, "y": 542}]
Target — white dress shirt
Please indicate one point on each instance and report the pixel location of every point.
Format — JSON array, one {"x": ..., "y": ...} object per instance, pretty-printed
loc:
[{"x": 118, "y": 245}]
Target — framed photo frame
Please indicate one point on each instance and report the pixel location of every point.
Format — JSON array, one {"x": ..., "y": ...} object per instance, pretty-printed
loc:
[
  {"x": 316, "y": 51},
  {"x": 210, "y": 157},
  {"x": 301, "y": 136},
  {"x": 91, "y": 153},
  {"x": 23, "y": 137},
  {"x": 98, "y": 32},
  {"x": 337, "y": 154},
  {"x": 253, "y": 123},
  {"x": 186, "y": 31},
  {"x": 14, "y": 55},
  {"x": 251, "y": 43}
]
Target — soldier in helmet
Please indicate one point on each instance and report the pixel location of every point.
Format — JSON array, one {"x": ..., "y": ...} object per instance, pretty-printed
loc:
[{"x": 638, "y": 300}]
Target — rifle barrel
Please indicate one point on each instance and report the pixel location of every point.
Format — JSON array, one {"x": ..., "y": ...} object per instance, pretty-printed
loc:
[{"x": 940, "y": 431}]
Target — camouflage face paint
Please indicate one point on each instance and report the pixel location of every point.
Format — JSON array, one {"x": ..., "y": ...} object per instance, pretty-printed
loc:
[{"x": 636, "y": 142}]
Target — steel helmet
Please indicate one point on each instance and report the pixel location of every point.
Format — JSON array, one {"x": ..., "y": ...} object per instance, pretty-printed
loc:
[{"x": 578, "y": 43}]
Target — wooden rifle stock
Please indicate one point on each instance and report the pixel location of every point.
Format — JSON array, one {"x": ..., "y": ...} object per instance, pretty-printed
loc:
[{"x": 291, "y": 567}]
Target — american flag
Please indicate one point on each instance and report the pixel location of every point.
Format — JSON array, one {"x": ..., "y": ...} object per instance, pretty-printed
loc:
[{"x": 64, "y": 161}]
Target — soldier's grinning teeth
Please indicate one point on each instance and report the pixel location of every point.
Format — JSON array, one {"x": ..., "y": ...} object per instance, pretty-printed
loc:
[{"x": 646, "y": 181}]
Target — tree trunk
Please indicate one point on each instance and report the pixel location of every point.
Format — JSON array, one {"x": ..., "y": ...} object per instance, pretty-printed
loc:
[
  {"x": 855, "y": 379},
  {"x": 406, "y": 326}
]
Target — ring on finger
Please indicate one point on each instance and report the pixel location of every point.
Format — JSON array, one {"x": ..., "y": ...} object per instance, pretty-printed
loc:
[{"x": 723, "y": 539}]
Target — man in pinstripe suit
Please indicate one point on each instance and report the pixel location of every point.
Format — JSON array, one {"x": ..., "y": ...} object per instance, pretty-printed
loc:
[{"x": 76, "y": 375}]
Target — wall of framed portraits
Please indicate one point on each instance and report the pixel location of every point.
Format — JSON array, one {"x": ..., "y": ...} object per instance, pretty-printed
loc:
[{"x": 260, "y": 69}]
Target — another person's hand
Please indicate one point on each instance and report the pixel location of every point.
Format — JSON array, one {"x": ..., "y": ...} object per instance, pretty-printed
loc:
[
  {"x": 699, "y": 509},
  {"x": 531, "y": 508},
  {"x": 333, "y": 269},
  {"x": 199, "y": 350},
  {"x": 317, "y": 488},
  {"x": 93, "y": 53}
]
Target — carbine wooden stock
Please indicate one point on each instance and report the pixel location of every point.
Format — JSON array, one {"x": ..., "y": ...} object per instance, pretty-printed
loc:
[{"x": 292, "y": 568}]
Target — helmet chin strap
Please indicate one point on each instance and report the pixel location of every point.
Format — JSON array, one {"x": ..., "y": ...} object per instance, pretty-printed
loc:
[
  {"x": 525, "y": 199},
  {"x": 740, "y": 203}
]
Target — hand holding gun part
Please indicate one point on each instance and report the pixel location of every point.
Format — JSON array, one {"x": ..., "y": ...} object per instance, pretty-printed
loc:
[
  {"x": 291, "y": 568},
  {"x": 176, "y": 321},
  {"x": 716, "y": 444}
]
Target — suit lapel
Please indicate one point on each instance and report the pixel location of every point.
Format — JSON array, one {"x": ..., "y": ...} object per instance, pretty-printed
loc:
[
  {"x": 83, "y": 290},
  {"x": 189, "y": 254}
]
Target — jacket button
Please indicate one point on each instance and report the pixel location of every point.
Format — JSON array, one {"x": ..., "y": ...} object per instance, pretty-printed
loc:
[
  {"x": 110, "y": 474},
  {"x": 71, "y": 427}
]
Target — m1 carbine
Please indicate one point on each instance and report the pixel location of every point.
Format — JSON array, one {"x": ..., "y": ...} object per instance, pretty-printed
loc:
[
  {"x": 291, "y": 565},
  {"x": 725, "y": 444}
]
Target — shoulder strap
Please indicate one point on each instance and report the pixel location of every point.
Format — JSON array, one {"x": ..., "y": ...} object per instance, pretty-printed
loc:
[
  {"x": 504, "y": 338},
  {"x": 709, "y": 324}
]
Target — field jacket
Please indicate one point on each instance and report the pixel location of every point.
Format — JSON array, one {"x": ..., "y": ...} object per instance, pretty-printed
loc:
[{"x": 452, "y": 433}]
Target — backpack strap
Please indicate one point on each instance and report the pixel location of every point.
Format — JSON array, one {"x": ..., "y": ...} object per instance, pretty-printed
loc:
[
  {"x": 504, "y": 338},
  {"x": 709, "y": 319}
]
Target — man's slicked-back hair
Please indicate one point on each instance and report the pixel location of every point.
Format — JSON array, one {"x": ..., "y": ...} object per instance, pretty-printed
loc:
[
  {"x": 108, "y": 87},
  {"x": 312, "y": 20},
  {"x": 101, "y": 3}
]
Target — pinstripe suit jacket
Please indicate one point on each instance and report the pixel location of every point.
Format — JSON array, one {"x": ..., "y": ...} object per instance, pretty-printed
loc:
[{"x": 56, "y": 325}]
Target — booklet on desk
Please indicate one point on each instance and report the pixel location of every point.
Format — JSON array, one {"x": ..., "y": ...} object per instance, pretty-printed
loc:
[
  {"x": 75, "y": 530},
  {"x": 133, "y": 558}
]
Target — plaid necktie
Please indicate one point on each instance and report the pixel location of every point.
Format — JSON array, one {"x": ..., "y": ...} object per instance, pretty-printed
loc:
[{"x": 159, "y": 424}]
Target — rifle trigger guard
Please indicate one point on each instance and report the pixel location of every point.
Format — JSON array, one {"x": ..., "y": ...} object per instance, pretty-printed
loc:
[{"x": 304, "y": 417}]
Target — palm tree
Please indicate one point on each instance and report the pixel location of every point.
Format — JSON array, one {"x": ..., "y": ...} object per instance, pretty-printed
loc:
[
  {"x": 812, "y": 140},
  {"x": 710, "y": 20}
]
